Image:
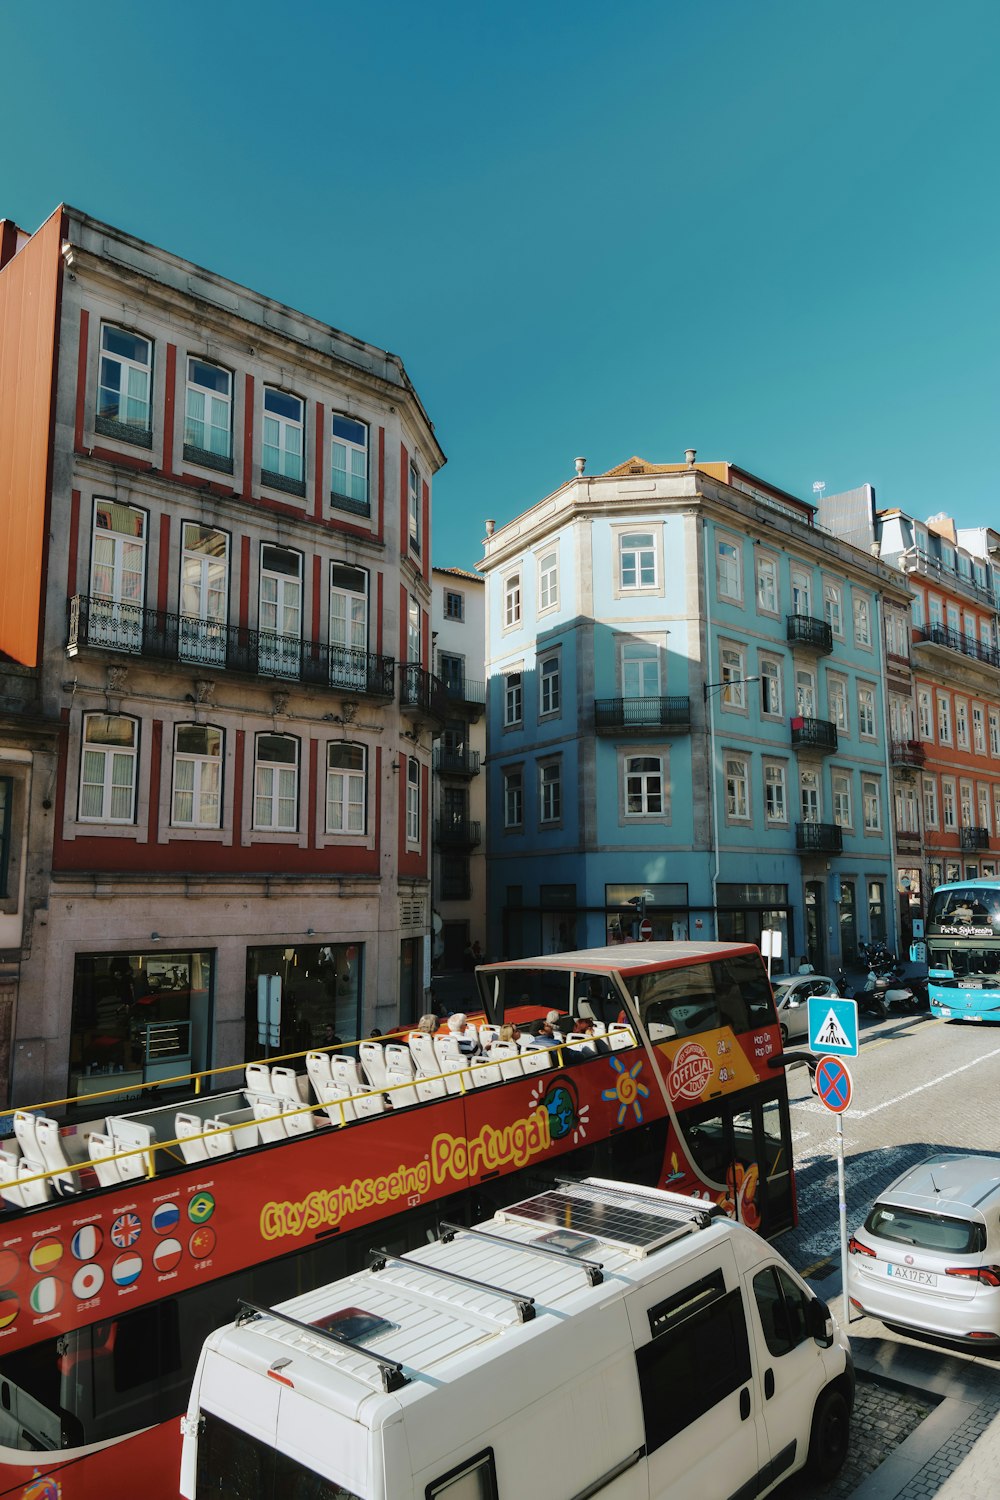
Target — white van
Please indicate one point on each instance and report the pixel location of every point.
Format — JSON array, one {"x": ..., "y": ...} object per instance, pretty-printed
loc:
[{"x": 597, "y": 1339}]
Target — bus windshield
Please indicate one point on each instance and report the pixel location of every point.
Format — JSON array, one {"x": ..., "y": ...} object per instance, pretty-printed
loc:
[
  {"x": 730, "y": 992},
  {"x": 956, "y": 907},
  {"x": 967, "y": 963}
]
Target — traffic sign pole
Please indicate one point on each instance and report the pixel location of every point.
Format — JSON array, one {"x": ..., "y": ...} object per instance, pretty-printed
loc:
[
  {"x": 842, "y": 1196},
  {"x": 836, "y": 1090}
]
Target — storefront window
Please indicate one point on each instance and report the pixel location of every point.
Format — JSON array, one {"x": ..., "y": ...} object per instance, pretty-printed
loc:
[
  {"x": 876, "y": 911},
  {"x": 664, "y": 907},
  {"x": 321, "y": 992}
]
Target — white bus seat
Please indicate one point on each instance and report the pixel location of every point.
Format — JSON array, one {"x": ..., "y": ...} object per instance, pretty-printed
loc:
[
  {"x": 265, "y": 1107},
  {"x": 24, "y": 1129},
  {"x": 258, "y": 1078},
  {"x": 372, "y": 1060},
  {"x": 508, "y": 1055},
  {"x": 131, "y": 1135},
  {"x": 369, "y": 1102},
  {"x": 399, "y": 1059},
  {"x": 599, "y": 1028},
  {"x": 244, "y": 1126},
  {"x": 9, "y": 1190},
  {"x": 51, "y": 1147},
  {"x": 444, "y": 1047},
  {"x": 483, "y": 1072},
  {"x": 318, "y": 1069},
  {"x": 585, "y": 1046},
  {"x": 287, "y": 1084},
  {"x": 487, "y": 1036},
  {"x": 33, "y": 1192},
  {"x": 456, "y": 1074},
  {"x": 298, "y": 1121},
  {"x": 401, "y": 1089},
  {"x": 422, "y": 1051},
  {"x": 429, "y": 1088},
  {"x": 536, "y": 1059},
  {"x": 100, "y": 1148},
  {"x": 347, "y": 1074},
  {"x": 620, "y": 1035},
  {"x": 218, "y": 1138},
  {"x": 339, "y": 1104},
  {"x": 185, "y": 1128}
]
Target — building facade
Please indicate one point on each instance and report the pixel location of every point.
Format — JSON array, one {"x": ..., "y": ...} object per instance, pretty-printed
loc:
[
  {"x": 686, "y": 718},
  {"x": 218, "y": 559}
]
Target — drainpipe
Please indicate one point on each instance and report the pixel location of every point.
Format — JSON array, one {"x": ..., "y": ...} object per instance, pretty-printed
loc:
[
  {"x": 890, "y": 797},
  {"x": 710, "y": 705}
]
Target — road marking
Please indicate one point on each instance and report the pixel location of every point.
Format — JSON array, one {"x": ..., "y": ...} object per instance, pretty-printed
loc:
[
  {"x": 863, "y": 1114},
  {"x": 811, "y": 1270}
]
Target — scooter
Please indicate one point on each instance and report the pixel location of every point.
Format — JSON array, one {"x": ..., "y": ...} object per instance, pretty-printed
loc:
[{"x": 886, "y": 993}]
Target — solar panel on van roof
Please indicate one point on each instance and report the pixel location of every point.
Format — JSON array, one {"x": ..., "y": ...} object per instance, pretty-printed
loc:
[{"x": 632, "y": 1222}]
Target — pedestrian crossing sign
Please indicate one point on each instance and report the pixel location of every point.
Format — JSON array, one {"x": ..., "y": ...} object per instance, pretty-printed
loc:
[{"x": 833, "y": 1026}]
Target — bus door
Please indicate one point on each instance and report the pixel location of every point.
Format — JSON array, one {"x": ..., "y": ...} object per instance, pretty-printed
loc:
[{"x": 745, "y": 1144}]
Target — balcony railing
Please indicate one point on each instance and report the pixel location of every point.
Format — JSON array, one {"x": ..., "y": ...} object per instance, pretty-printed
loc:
[
  {"x": 906, "y": 753},
  {"x": 420, "y": 692},
  {"x": 814, "y": 734},
  {"x": 975, "y": 838},
  {"x": 907, "y": 839},
  {"x": 458, "y": 833},
  {"x": 456, "y": 762},
  {"x": 818, "y": 838},
  {"x": 956, "y": 640},
  {"x": 464, "y": 690},
  {"x": 804, "y": 630},
  {"x": 157, "y": 635},
  {"x": 640, "y": 715}
]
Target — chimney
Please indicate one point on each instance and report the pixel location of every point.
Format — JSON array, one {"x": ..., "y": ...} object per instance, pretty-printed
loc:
[
  {"x": 690, "y": 454},
  {"x": 491, "y": 526},
  {"x": 579, "y": 464}
]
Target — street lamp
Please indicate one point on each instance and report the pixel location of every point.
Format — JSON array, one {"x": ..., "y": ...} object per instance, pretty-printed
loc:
[{"x": 710, "y": 687}]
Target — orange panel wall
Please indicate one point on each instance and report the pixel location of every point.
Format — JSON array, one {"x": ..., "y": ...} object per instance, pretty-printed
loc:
[{"x": 29, "y": 295}]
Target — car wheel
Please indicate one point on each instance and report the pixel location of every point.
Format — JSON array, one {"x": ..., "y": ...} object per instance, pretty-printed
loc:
[
  {"x": 784, "y": 1034},
  {"x": 829, "y": 1436}
]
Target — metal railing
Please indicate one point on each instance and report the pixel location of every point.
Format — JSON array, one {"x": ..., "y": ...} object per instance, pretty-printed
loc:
[
  {"x": 813, "y": 734},
  {"x": 464, "y": 690},
  {"x": 421, "y": 690},
  {"x": 805, "y": 630},
  {"x": 642, "y": 713},
  {"x": 975, "y": 838},
  {"x": 956, "y": 640},
  {"x": 458, "y": 833},
  {"x": 456, "y": 762},
  {"x": 907, "y": 753},
  {"x": 819, "y": 838}
]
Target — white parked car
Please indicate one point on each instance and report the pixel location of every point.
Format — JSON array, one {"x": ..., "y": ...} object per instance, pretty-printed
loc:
[
  {"x": 928, "y": 1255},
  {"x": 790, "y": 996}
]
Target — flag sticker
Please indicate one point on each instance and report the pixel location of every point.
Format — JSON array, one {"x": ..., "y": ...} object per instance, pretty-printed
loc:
[
  {"x": 87, "y": 1282},
  {"x": 10, "y": 1306},
  {"x": 165, "y": 1218},
  {"x": 202, "y": 1243},
  {"x": 10, "y": 1264},
  {"x": 125, "y": 1231},
  {"x": 45, "y": 1255},
  {"x": 46, "y": 1294},
  {"x": 201, "y": 1208},
  {"x": 126, "y": 1269},
  {"x": 87, "y": 1242},
  {"x": 167, "y": 1254}
]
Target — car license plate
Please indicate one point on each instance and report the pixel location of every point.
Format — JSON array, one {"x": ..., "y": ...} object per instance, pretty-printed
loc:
[
  {"x": 943, "y": 1010},
  {"x": 910, "y": 1273}
]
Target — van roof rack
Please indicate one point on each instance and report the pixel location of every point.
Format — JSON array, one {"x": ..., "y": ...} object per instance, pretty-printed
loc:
[
  {"x": 634, "y": 1222},
  {"x": 592, "y": 1269},
  {"x": 390, "y": 1370},
  {"x": 523, "y": 1306}
]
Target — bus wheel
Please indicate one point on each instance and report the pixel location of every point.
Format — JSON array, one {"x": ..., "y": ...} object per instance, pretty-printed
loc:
[{"x": 829, "y": 1436}]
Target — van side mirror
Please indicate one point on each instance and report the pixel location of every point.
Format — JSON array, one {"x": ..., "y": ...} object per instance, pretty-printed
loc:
[{"x": 821, "y": 1323}]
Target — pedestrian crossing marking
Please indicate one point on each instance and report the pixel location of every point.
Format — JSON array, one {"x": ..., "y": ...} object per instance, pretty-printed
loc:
[
  {"x": 833, "y": 1025},
  {"x": 831, "y": 1033}
]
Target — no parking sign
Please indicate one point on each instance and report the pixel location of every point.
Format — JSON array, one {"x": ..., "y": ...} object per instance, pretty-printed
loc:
[{"x": 833, "y": 1084}]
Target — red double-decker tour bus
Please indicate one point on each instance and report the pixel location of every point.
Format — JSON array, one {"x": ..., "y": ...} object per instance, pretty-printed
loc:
[{"x": 125, "y": 1239}]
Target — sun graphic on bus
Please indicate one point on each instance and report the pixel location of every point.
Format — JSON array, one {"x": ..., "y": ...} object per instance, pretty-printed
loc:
[{"x": 628, "y": 1091}]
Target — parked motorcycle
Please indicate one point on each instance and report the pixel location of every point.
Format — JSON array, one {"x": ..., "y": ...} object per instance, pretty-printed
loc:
[{"x": 886, "y": 992}]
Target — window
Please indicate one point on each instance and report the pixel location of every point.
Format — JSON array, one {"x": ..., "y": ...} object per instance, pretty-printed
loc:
[
  {"x": 965, "y": 797},
  {"x": 643, "y": 786},
  {"x": 767, "y": 584},
  {"x": 548, "y": 581},
  {"x": 994, "y": 731},
  {"x": 513, "y": 798},
  {"x": 208, "y": 415},
  {"x": 346, "y": 787},
  {"x": 801, "y": 592},
  {"x": 695, "y": 1362},
  {"x": 349, "y": 463},
  {"x": 412, "y": 800},
  {"x": 728, "y": 570},
  {"x": 276, "y": 783},
  {"x": 944, "y": 719},
  {"x": 770, "y": 687},
  {"x": 962, "y": 723},
  {"x": 637, "y": 560},
  {"x": 280, "y": 611},
  {"x": 934, "y": 610},
  {"x": 454, "y": 605},
  {"x": 978, "y": 729},
  {"x": 871, "y": 798},
  {"x": 204, "y": 594},
  {"x": 906, "y": 810},
  {"x": 733, "y": 664},
  {"x": 783, "y": 1309},
  {"x": 452, "y": 673},
  {"x": 775, "y": 808},
  {"x": 107, "y": 769},
  {"x": 117, "y": 576},
  {"x": 124, "y": 384},
  {"x": 833, "y": 607},
  {"x": 281, "y": 451},
  {"x": 737, "y": 789},
  {"x": 640, "y": 670},
  {"x": 197, "y": 801},
  {"x": 413, "y": 509},
  {"x": 550, "y": 791},
  {"x": 809, "y": 796},
  {"x": 513, "y": 707},
  {"x": 548, "y": 685},
  {"x": 996, "y": 808},
  {"x": 866, "y": 711},
  {"x": 862, "y": 622},
  {"x": 512, "y": 600},
  {"x": 348, "y": 626},
  {"x": 474, "y": 1479},
  {"x": 983, "y": 802},
  {"x": 836, "y": 697},
  {"x": 930, "y": 802},
  {"x": 805, "y": 693},
  {"x": 896, "y": 639},
  {"x": 841, "y": 784},
  {"x": 925, "y": 721},
  {"x": 948, "y": 803}
]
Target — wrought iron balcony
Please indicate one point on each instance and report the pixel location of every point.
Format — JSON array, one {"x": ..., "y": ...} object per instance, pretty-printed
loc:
[
  {"x": 948, "y": 639},
  {"x": 804, "y": 630},
  {"x": 463, "y": 690},
  {"x": 819, "y": 838},
  {"x": 458, "y": 833},
  {"x": 975, "y": 838},
  {"x": 906, "y": 753},
  {"x": 420, "y": 692},
  {"x": 814, "y": 734},
  {"x": 642, "y": 715},
  {"x": 456, "y": 762},
  {"x": 157, "y": 635}
]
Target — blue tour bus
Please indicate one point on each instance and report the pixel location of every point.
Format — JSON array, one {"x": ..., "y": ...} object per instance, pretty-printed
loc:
[{"x": 963, "y": 951}]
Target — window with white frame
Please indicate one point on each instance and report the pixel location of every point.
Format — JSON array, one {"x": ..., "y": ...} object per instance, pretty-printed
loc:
[
  {"x": 281, "y": 455},
  {"x": 767, "y": 584},
  {"x": 986, "y": 633},
  {"x": 512, "y": 600},
  {"x": 276, "y": 783},
  {"x": 996, "y": 808},
  {"x": 643, "y": 786},
  {"x": 636, "y": 560},
  {"x": 962, "y": 723},
  {"x": 412, "y": 800},
  {"x": 775, "y": 801},
  {"x": 994, "y": 731},
  {"x": 978, "y": 729},
  {"x": 925, "y": 715},
  {"x": 348, "y": 626},
  {"x": 809, "y": 798},
  {"x": 944, "y": 719},
  {"x": 771, "y": 695},
  {"x": 640, "y": 669},
  {"x": 862, "y": 621},
  {"x": 897, "y": 638},
  {"x": 208, "y": 411},
  {"x": 513, "y": 699},
  {"x": 729, "y": 570},
  {"x": 871, "y": 798},
  {"x": 280, "y": 611},
  {"x": 905, "y": 798},
  {"x": 549, "y": 692},
  {"x": 983, "y": 801},
  {"x": 117, "y": 576},
  {"x": 801, "y": 592},
  {"x": 805, "y": 693},
  {"x": 841, "y": 788},
  {"x": 548, "y": 580},
  {"x": 733, "y": 662},
  {"x": 454, "y": 605},
  {"x": 965, "y": 799},
  {"x": 833, "y": 608},
  {"x": 414, "y": 630},
  {"x": 930, "y": 802},
  {"x": 866, "y": 710},
  {"x": 346, "y": 787},
  {"x": 349, "y": 460},
  {"x": 737, "y": 789},
  {"x": 108, "y": 768},
  {"x": 414, "y": 509},
  {"x": 513, "y": 798},
  {"x": 204, "y": 594},
  {"x": 124, "y": 385},
  {"x": 836, "y": 697},
  {"x": 948, "y": 803},
  {"x": 197, "y": 799},
  {"x": 935, "y": 610},
  {"x": 550, "y": 791}
]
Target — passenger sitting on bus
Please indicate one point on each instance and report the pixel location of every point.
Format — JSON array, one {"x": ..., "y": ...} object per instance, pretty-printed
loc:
[
  {"x": 509, "y": 1032},
  {"x": 465, "y": 1035},
  {"x": 583, "y": 1026},
  {"x": 547, "y": 1034},
  {"x": 428, "y": 1022}
]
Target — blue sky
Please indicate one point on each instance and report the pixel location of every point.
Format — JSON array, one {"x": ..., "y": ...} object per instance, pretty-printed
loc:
[{"x": 764, "y": 229}]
